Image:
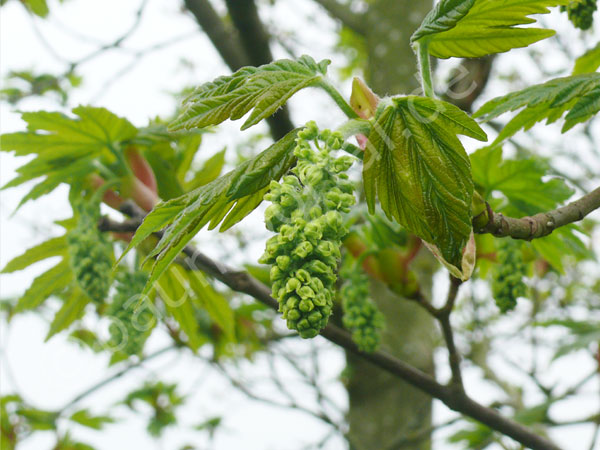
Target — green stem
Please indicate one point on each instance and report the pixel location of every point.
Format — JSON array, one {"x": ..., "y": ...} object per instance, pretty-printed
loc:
[
  {"x": 338, "y": 99},
  {"x": 353, "y": 127},
  {"x": 425, "y": 70}
]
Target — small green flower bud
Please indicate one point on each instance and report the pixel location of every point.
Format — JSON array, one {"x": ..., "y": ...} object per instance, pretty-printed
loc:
[
  {"x": 293, "y": 314},
  {"x": 283, "y": 262},
  {"x": 303, "y": 275},
  {"x": 292, "y": 285},
  {"x": 305, "y": 292},
  {"x": 309, "y": 333},
  {"x": 276, "y": 273},
  {"x": 306, "y": 305},
  {"x": 303, "y": 249},
  {"x": 313, "y": 230}
]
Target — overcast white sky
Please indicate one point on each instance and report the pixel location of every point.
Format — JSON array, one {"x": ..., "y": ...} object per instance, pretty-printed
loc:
[{"x": 51, "y": 373}]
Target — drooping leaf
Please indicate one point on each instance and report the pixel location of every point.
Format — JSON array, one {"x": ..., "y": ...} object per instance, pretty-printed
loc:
[
  {"x": 53, "y": 280},
  {"x": 588, "y": 62},
  {"x": 71, "y": 310},
  {"x": 38, "y": 7},
  {"x": 582, "y": 334},
  {"x": 563, "y": 244},
  {"x": 39, "y": 419},
  {"x": 85, "y": 418},
  {"x": 47, "y": 249},
  {"x": 173, "y": 291},
  {"x": 217, "y": 307},
  {"x": 420, "y": 171},
  {"x": 578, "y": 94},
  {"x": 470, "y": 29},
  {"x": 210, "y": 170},
  {"x": 211, "y": 203},
  {"x": 65, "y": 147},
  {"x": 521, "y": 181},
  {"x": 262, "y": 90}
]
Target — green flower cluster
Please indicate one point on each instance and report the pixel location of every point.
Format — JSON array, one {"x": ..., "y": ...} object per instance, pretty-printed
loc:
[
  {"x": 581, "y": 13},
  {"x": 130, "y": 328},
  {"x": 90, "y": 252},
  {"x": 361, "y": 316},
  {"x": 507, "y": 283},
  {"x": 306, "y": 215}
]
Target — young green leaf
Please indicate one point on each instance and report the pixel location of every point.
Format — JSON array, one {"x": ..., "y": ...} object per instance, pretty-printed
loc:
[
  {"x": 85, "y": 418},
  {"x": 71, "y": 310},
  {"x": 588, "y": 62},
  {"x": 470, "y": 29},
  {"x": 262, "y": 90},
  {"x": 173, "y": 291},
  {"x": 420, "y": 171},
  {"x": 47, "y": 249},
  {"x": 230, "y": 197},
  {"x": 217, "y": 307},
  {"x": 38, "y": 7},
  {"x": 443, "y": 17},
  {"x": 53, "y": 280},
  {"x": 578, "y": 94},
  {"x": 64, "y": 147},
  {"x": 520, "y": 181}
]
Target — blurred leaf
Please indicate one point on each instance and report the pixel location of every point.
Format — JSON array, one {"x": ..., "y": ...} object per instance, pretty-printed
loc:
[
  {"x": 161, "y": 397},
  {"x": 207, "y": 298},
  {"x": 43, "y": 286},
  {"x": 65, "y": 148},
  {"x": 582, "y": 334},
  {"x": 83, "y": 417},
  {"x": 588, "y": 62},
  {"x": 562, "y": 243},
  {"x": 210, "y": 170},
  {"x": 47, "y": 249},
  {"x": 38, "y": 7},
  {"x": 39, "y": 419},
  {"x": 521, "y": 181},
  {"x": 72, "y": 309},
  {"x": 173, "y": 289}
]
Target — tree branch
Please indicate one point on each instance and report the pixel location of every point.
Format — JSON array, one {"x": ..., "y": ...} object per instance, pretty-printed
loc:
[
  {"x": 248, "y": 45},
  {"x": 456, "y": 400},
  {"x": 223, "y": 38},
  {"x": 541, "y": 224},
  {"x": 344, "y": 14},
  {"x": 444, "y": 319},
  {"x": 255, "y": 41}
]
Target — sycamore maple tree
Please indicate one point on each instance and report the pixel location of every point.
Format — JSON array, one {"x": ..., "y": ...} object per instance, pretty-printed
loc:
[{"x": 395, "y": 174}]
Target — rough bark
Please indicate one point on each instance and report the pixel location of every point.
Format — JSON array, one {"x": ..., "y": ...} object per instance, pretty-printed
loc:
[{"x": 383, "y": 410}]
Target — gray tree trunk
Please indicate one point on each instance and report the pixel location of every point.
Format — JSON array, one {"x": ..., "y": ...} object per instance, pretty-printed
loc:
[{"x": 384, "y": 412}]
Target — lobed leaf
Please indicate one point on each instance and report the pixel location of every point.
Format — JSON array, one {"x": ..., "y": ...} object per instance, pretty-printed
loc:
[
  {"x": 64, "y": 147},
  {"x": 262, "y": 90},
  {"x": 588, "y": 62},
  {"x": 50, "y": 282},
  {"x": 47, "y": 249},
  {"x": 521, "y": 181},
  {"x": 470, "y": 29},
  {"x": 419, "y": 170},
  {"x": 578, "y": 94},
  {"x": 72, "y": 309}
]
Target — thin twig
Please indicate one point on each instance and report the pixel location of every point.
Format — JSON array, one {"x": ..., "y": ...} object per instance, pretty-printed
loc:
[{"x": 114, "y": 377}]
